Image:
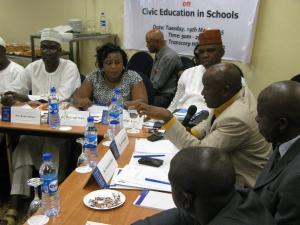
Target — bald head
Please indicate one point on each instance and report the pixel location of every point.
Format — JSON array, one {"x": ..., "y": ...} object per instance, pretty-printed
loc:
[
  {"x": 202, "y": 171},
  {"x": 221, "y": 82},
  {"x": 155, "y": 40},
  {"x": 278, "y": 110}
]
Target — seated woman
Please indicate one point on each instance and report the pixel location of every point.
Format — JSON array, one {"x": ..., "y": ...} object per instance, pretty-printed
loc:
[{"x": 99, "y": 86}]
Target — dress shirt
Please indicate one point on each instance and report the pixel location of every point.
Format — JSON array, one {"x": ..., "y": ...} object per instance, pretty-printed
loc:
[{"x": 284, "y": 147}]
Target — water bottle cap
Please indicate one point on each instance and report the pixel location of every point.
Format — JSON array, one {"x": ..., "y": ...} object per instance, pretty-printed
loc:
[
  {"x": 113, "y": 99},
  {"x": 90, "y": 119},
  {"x": 47, "y": 156},
  {"x": 52, "y": 89},
  {"x": 117, "y": 91}
]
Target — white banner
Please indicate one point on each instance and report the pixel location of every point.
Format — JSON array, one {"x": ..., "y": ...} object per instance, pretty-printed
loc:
[{"x": 182, "y": 21}]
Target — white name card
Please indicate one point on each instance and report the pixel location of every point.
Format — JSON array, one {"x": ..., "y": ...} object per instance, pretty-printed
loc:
[
  {"x": 119, "y": 143},
  {"x": 105, "y": 169},
  {"x": 73, "y": 118},
  {"x": 25, "y": 115}
]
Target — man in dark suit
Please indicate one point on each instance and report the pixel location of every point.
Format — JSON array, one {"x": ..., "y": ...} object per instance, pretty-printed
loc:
[
  {"x": 202, "y": 180},
  {"x": 279, "y": 122}
]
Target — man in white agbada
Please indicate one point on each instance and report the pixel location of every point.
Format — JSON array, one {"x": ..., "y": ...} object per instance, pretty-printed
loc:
[
  {"x": 9, "y": 70},
  {"x": 39, "y": 76}
]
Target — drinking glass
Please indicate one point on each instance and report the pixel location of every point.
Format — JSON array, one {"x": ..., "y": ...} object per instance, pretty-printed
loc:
[
  {"x": 36, "y": 203},
  {"x": 134, "y": 118},
  {"x": 82, "y": 159}
]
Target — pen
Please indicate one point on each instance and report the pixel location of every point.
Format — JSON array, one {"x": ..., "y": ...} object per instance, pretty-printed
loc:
[
  {"x": 139, "y": 156},
  {"x": 157, "y": 181}
]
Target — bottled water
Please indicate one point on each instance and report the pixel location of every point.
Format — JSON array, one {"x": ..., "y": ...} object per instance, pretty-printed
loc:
[
  {"x": 114, "y": 118},
  {"x": 120, "y": 103},
  {"x": 103, "y": 24},
  {"x": 90, "y": 132},
  {"x": 53, "y": 109},
  {"x": 50, "y": 196},
  {"x": 90, "y": 147}
]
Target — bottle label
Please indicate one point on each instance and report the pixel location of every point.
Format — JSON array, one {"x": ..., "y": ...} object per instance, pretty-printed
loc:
[
  {"x": 91, "y": 138},
  {"x": 102, "y": 23},
  {"x": 50, "y": 185},
  {"x": 53, "y": 108}
]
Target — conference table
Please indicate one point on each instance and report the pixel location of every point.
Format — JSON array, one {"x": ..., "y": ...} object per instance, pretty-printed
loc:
[{"x": 77, "y": 185}]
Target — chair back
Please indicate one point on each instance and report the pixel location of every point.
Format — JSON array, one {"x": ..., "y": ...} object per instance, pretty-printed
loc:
[{"x": 141, "y": 62}]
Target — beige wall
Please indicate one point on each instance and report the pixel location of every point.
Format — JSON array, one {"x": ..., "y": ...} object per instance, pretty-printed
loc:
[{"x": 275, "y": 54}]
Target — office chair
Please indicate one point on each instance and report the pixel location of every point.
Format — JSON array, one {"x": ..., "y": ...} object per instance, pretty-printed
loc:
[{"x": 141, "y": 62}]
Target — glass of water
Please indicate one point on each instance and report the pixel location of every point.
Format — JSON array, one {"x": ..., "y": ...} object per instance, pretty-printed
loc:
[
  {"x": 134, "y": 119},
  {"x": 36, "y": 203}
]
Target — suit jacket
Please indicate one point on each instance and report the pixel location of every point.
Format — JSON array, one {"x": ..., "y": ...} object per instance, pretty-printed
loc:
[
  {"x": 234, "y": 131},
  {"x": 279, "y": 188},
  {"x": 242, "y": 209}
]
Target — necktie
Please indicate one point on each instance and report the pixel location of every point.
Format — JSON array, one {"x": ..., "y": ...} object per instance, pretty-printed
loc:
[{"x": 277, "y": 158}]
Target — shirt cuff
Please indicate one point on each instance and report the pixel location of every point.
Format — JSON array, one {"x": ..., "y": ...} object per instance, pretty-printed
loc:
[
  {"x": 196, "y": 133},
  {"x": 169, "y": 124}
]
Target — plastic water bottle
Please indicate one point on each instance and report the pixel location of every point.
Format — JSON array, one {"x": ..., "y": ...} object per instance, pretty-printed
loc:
[
  {"x": 50, "y": 195},
  {"x": 120, "y": 102},
  {"x": 114, "y": 118},
  {"x": 53, "y": 109},
  {"x": 103, "y": 24},
  {"x": 90, "y": 147}
]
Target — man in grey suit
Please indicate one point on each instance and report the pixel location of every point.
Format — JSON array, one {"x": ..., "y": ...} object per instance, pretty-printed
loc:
[
  {"x": 231, "y": 126},
  {"x": 279, "y": 122},
  {"x": 164, "y": 70},
  {"x": 202, "y": 181}
]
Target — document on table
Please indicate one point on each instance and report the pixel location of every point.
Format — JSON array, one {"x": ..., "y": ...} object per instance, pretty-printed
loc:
[
  {"x": 145, "y": 177},
  {"x": 161, "y": 146},
  {"x": 155, "y": 200},
  {"x": 95, "y": 223},
  {"x": 113, "y": 184}
]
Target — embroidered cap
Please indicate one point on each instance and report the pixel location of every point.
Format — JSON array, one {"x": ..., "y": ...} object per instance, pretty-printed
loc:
[
  {"x": 2, "y": 42},
  {"x": 49, "y": 34},
  {"x": 210, "y": 37}
]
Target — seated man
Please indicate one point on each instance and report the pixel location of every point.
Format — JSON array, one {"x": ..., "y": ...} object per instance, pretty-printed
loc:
[
  {"x": 210, "y": 52},
  {"x": 165, "y": 68},
  {"x": 39, "y": 76},
  {"x": 278, "y": 185},
  {"x": 9, "y": 70},
  {"x": 211, "y": 199},
  {"x": 230, "y": 127}
]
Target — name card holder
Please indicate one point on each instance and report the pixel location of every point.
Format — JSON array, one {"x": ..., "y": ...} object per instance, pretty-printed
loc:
[
  {"x": 27, "y": 116},
  {"x": 119, "y": 143},
  {"x": 73, "y": 118},
  {"x": 105, "y": 169}
]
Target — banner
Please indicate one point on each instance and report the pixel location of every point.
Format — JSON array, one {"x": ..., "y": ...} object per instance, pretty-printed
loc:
[{"x": 181, "y": 22}]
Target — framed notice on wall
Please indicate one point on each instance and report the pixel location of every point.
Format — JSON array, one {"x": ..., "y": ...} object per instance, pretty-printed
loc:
[{"x": 182, "y": 21}]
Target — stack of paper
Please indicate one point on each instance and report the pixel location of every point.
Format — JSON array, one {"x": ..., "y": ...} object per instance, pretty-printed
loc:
[
  {"x": 155, "y": 200},
  {"x": 161, "y": 146},
  {"x": 144, "y": 177}
]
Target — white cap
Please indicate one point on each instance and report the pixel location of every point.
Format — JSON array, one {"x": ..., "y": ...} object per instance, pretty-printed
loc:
[
  {"x": 2, "y": 42},
  {"x": 49, "y": 34}
]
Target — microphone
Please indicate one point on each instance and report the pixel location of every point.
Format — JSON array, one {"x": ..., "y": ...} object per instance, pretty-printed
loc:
[
  {"x": 199, "y": 117},
  {"x": 190, "y": 112}
]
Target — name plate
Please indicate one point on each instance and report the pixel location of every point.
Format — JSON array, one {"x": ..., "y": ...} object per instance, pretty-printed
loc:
[
  {"x": 105, "y": 169},
  {"x": 73, "y": 118},
  {"x": 119, "y": 143},
  {"x": 28, "y": 116}
]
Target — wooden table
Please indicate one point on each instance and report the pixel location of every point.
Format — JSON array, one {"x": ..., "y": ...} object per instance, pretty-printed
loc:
[{"x": 75, "y": 187}]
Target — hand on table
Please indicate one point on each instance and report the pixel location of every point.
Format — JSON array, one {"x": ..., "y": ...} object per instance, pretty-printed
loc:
[
  {"x": 154, "y": 112},
  {"x": 10, "y": 98},
  {"x": 82, "y": 103}
]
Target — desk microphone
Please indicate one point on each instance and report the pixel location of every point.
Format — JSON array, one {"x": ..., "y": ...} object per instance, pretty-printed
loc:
[{"x": 190, "y": 112}]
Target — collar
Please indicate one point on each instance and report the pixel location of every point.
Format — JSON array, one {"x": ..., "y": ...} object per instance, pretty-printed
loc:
[
  {"x": 221, "y": 108},
  {"x": 161, "y": 52},
  {"x": 283, "y": 148}
]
